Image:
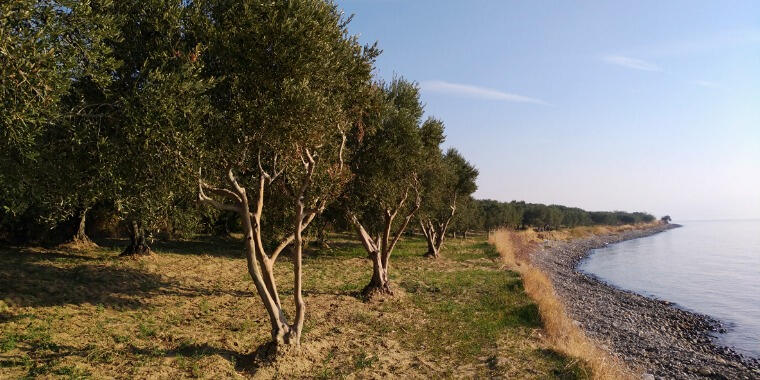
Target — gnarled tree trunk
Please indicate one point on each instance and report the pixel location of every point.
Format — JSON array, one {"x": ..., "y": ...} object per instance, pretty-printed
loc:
[
  {"x": 138, "y": 245},
  {"x": 260, "y": 265},
  {"x": 81, "y": 235},
  {"x": 435, "y": 232},
  {"x": 378, "y": 283},
  {"x": 380, "y": 250},
  {"x": 431, "y": 238}
]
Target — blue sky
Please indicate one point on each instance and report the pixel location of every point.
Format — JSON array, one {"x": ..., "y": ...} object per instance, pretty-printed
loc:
[{"x": 633, "y": 105}]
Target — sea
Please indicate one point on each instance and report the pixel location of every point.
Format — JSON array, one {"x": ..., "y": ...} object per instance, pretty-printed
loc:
[{"x": 709, "y": 267}]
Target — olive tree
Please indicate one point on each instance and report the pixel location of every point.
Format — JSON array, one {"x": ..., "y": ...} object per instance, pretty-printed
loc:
[
  {"x": 147, "y": 116},
  {"x": 49, "y": 52},
  {"x": 292, "y": 86},
  {"x": 469, "y": 217},
  {"x": 446, "y": 181},
  {"x": 385, "y": 184}
]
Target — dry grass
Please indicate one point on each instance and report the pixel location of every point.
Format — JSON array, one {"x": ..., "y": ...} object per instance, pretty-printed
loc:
[
  {"x": 189, "y": 311},
  {"x": 78, "y": 245},
  {"x": 562, "y": 333},
  {"x": 583, "y": 231}
]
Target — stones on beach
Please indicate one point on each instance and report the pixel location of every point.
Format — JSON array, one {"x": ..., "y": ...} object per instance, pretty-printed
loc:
[{"x": 652, "y": 334}]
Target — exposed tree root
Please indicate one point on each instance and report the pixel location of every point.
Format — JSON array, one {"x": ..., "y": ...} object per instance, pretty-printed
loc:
[{"x": 373, "y": 291}]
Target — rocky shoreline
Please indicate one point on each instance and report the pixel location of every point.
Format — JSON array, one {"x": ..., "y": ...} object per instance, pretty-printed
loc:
[{"x": 652, "y": 336}]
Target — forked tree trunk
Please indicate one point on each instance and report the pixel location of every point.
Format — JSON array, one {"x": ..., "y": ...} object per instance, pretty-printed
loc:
[
  {"x": 138, "y": 245},
  {"x": 379, "y": 283},
  {"x": 265, "y": 285},
  {"x": 260, "y": 265},
  {"x": 80, "y": 237},
  {"x": 435, "y": 232},
  {"x": 433, "y": 250},
  {"x": 380, "y": 250}
]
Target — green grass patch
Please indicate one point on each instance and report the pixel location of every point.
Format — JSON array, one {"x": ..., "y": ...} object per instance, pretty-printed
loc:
[{"x": 471, "y": 308}]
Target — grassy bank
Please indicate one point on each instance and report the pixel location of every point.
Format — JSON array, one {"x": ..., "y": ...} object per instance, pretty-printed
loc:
[
  {"x": 189, "y": 311},
  {"x": 514, "y": 247}
]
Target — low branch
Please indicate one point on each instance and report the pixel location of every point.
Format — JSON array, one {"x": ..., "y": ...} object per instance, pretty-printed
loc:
[
  {"x": 221, "y": 192},
  {"x": 214, "y": 203},
  {"x": 403, "y": 226},
  {"x": 366, "y": 240}
]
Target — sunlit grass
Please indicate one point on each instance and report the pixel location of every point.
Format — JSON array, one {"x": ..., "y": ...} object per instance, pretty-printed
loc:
[{"x": 190, "y": 311}]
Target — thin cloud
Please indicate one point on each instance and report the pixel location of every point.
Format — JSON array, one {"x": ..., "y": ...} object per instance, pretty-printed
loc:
[
  {"x": 476, "y": 92},
  {"x": 706, "y": 83},
  {"x": 630, "y": 63},
  {"x": 728, "y": 39}
]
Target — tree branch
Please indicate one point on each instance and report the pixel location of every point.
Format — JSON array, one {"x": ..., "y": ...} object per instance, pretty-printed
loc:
[
  {"x": 403, "y": 226},
  {"x": 214, "y": 203},
  {"x": 231, "y": 179},
  {"x": 366, "y": 240},
  {"x": 291, "y": 237},
  {"x": 221, "y": 192}
]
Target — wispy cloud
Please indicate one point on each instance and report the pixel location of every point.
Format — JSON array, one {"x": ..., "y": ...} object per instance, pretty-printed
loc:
[
  {"x": 706, "y": 83},
  {"x": 728, "y": 39},
  {"x": 476, "y": 92},
  {"x": 630, "y": 63}
]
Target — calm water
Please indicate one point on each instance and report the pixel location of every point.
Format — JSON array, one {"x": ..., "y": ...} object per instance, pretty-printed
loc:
[{"x": 709, "y": 267}]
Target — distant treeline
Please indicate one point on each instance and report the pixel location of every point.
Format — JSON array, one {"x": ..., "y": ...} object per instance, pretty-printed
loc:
[{"x": 487, "y": 215}]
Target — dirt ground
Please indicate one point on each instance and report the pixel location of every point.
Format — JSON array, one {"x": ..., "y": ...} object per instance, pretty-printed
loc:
[{"x": 190, "y": 311}]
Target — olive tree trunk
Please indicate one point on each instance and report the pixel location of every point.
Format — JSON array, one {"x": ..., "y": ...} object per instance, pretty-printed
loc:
[
  {"x": 138, "y": 245},
  {"x": 260, "y": 264},
  {"x": 80, "y": 237},
  {"x": 435, "y": 232},
  {"x": 81, "y": 234},
  {"x": 379, "y": 251}
]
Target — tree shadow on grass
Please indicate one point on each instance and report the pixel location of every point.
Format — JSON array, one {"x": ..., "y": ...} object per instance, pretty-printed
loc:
[
  {"x": 27, "y": 282},
  {"x": 526, "y": 315},
  {"x": 50, "y": 278},
  {"x": 202, "y": 245},
  {"x": 206, "y": 245},
  {"x": 265, "y": 353},
  {"x": 565, "y": 367},
  {"x": 187, "y": 349},
  {"x": 31, "y": 254},
  {"x": 247, "y": 363}
]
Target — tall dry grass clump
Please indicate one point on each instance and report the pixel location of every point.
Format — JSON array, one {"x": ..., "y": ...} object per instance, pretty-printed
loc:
[{"x": 515, "y": 247}]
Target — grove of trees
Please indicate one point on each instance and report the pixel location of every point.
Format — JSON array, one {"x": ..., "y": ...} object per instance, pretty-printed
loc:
[
  {"x": 179, "y": 117},
  {"x": 517, "y": 215}
]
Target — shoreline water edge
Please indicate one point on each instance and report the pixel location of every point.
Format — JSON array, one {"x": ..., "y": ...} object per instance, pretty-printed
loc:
[{"x": 652, "y": 336}]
